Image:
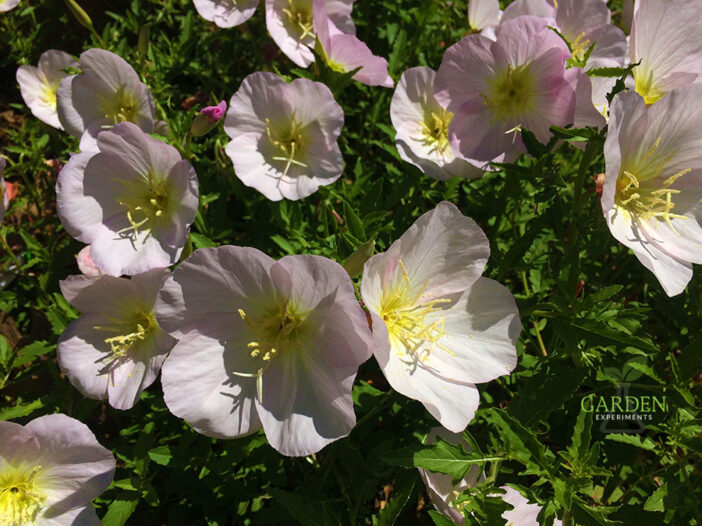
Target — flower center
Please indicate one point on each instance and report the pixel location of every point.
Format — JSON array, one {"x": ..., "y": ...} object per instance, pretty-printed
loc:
[
  {"x": 21, "y": 500},
  {"x": 48, "y": 93},
  {"x": 128, "y": 333},
  {"x": 288, "y": 141},
  {"x": 299, "y": 16},
  {"x": 121, "y": 107},
  {"x": 282, "y": 330},
  {"x": 645, "y": 202},
  {"x": 636, "y": 193},
  {"x": 146, "y": 207},
  {"x": 644, "y": 86},
  {"x": 435, "y": 130},
  {"x": 404, "y": 317},
  {"x": 510, "y": 93}
]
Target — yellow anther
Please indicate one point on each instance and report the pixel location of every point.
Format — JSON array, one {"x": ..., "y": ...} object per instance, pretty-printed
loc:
[
  {"x": 301, "y": 17},
  {"x": 404, "y": 314},
  {"x": 435, "y": 130},
  {"x": 288, "y": 141},
  {"x": 580, "y": 46},
  {"x": 277, "y": 330},
  {"x": 645, "y": 202},
  {"x": 124, "y": 342},
  {"x": 144, "y": 209}
]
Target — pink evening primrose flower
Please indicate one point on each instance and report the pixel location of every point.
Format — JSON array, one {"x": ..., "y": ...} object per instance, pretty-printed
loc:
[
  {"x": 86, "y": 264},
  {"x": 422, "y": 127},
  {"x": 133, "y": 201},
  {"x": 438, "y": 326},
  {"x": 38, "y": 84},
  {"x": 494, "y": 89},
  {"x": 291, "y": 24},
  {"x": 6, "y": 5},
  {"x": 107, "y": 92},
  {"x": 50, "y": 470},
  {"x": 263, "y": 344},
  {"x": 226, "y": 13},
  {"x": 4, "y": 199},
  {"x": 115, "y": 349},
  {"x": 345, "y": 53},
  {"x": 440, "y": 487},
  {"x": 284, "y": 136},
  {"x": 652, "y": 192},
  {"x": 666, "y": 36}
]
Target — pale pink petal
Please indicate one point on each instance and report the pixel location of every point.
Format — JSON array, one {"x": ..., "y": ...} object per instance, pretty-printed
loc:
[
  {"x": 78, "y": 468},
  {"x": 199, "y": 385},
  {"x": 481, "y": 331}
]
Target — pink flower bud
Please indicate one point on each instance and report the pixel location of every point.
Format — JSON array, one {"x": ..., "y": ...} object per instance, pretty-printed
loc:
[{"x": 207, "y": 119}]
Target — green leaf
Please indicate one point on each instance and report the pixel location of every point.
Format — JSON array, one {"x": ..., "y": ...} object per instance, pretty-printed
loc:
[
  {"x": 5, "y": 351},
  {"x": 655, "y": 501},
  {"x": 27, "y": 354},
  {"x": 546, "y": 392},
  {"x": 161, "y": 455},
  {"x": 201, "y": 241},
  {"x": 401, "y": 496},
  {"x": 522, "y": 445},
  {"x": 353, "y": 223},
  {"x": 633, "y": 440},
  {"x": 440, "y": 519},
  {"x": 580, "y": 442},
  {"x": 20, "y": 410},
  {"x": 120, "y": 510},
  {"x": 608, "y": 72},
  {"x": 442, "y": 457}
]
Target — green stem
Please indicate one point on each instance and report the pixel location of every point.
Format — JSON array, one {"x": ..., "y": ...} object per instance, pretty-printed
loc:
[
  {"x": 534, "y": 323},
  {"x": 3, "y": 242},
  {"x": 567, "y": 520}
]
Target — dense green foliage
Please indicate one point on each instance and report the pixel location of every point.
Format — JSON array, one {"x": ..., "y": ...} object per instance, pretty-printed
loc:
[{"x": 592, "y": 316}]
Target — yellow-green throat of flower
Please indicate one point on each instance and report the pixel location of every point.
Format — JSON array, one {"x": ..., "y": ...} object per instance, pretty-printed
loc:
[
  {"x": 281, "y": 330},
  {"x": 299, "y": 15},
  {"x": 510, "y": 93},
  {"x": 288, "y": 141},
  {"x": 21, "y": 498},
  {"x": 435, "y": 130}
]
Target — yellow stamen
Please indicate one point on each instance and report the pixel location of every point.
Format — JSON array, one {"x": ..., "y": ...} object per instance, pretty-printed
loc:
[
  {"x": 289, "y": 141},
  {"x": 282, "y": 329},
  {"x": 435, "y": 130},
  {"x": 145, "y": 206},
  {"x": 404, "y": 315},
  {"x": 140, "y": 325},
  {"x": 580, "y": 46},
  {"x": 300, "y": 17},
  {"x": 646, "y": 203}
]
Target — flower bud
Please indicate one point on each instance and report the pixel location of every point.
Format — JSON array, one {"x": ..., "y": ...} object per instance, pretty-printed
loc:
[
  {"x": 207, "y": 119},
  {"x": 354, "y": 264},
  {"x": 80, "y": 14}
]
